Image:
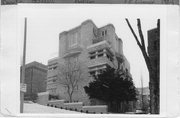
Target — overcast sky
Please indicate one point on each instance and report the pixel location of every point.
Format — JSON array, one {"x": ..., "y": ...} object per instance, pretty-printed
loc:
[{"x": 46, "y": 22}]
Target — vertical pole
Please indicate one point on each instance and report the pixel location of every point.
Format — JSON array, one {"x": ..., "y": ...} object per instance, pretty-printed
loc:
[
  {"x": 142, "y": 91},
  {"x": 23, "y": 67}
]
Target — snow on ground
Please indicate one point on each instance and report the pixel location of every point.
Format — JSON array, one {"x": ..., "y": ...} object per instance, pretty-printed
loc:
[{"x": 37, "y": 108}]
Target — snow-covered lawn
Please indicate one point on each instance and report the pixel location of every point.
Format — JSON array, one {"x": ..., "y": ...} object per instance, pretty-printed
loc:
[{"x": 37, "y": 108}]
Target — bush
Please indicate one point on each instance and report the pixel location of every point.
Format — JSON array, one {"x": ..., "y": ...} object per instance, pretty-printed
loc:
[
  {"x": 53, "y": 97},
  {"x": 31, "y": 97}
]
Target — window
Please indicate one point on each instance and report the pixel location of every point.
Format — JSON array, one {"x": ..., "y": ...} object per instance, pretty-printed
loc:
[
  {"x": 54, "y": 80},
  {"x": 100, "y": 55},
  {"x": 100, "y": 51},
  {"x": 102, "y": 33},
  {"x": 92, "y": 73},
  {"x": 92, "y": 53},
  {"x": 54, "y": 67},
  {"x": 92, "y": 57},
  {"x": 73, "y": 39},
  {"x": 105, "y": 32},
  {"x": 100, "y": 71}
]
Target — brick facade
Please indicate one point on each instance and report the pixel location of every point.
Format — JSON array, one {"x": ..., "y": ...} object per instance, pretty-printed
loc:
[{"x": 35, "y": 78}]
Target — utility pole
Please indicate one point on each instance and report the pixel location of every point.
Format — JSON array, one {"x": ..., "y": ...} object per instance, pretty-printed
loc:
[
  {"x": 23, "y": 68},
  {"x": 142, "y": 91}
]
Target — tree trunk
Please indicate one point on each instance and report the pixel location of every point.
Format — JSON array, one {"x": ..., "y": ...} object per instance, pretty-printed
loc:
[
  {"x": 70, "y": 98},
  {"x": 154, "y": 92}
]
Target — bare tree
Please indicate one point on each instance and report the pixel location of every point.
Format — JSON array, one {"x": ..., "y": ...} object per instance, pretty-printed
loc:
[
  {"x": 70, "y": 75},
  {"x": 154, "y": 80}
]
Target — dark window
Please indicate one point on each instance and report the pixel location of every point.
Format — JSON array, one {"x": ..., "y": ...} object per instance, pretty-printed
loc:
[
  {"x": 54, "y": 67},
  {"x": 92, "y": 57},
  {"x": 100, "y": 70},
  {"x": 102, "y": 33},
  {"x": 109, "y": 57},
  {"x": 100, "y": 55},
  {"x": 92, "y": 53},
  {"x": 54, "y": 80},
  {"x": 92, "y": 73},
  {"x": 105, "y": 32},
  {"x": 100, "y": 51}
]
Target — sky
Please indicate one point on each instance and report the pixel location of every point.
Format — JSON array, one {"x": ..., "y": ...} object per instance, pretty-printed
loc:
[{"x": 45, "y": 23}]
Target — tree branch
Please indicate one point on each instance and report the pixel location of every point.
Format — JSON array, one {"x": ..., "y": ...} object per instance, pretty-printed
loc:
[
  {"x": 141, "y": 34},
  {"x": 139, "y": 44}
]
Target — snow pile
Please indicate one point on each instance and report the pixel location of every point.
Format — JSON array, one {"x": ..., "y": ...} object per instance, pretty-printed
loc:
[
  {"x": 96, "y": 109},
  {"x": 36, "y": 108}
]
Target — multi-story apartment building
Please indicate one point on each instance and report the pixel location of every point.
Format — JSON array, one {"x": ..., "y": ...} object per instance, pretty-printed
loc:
[
  {"x": 94, "y": 48},
  {"x": 52, "y": 76},
  {"x": 35, "y": 78}
]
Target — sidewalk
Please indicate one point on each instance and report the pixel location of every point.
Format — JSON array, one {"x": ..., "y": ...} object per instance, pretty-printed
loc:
[{"x": 37, "y": 108}]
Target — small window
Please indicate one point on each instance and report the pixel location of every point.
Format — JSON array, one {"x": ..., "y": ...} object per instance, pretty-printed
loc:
[
  {"x": 105, "y": 32},
  {"x": 54, "y": 67},
  {"x": 100, "y": 51},
  {"x": 102, "y": 33},
  {"x": 100, "y": 55},
  {"x": 100, "y": 71},
  {"x": 54, "y": 80},
  {"x": 92, "y": 53},
  {"x": 93, "y": 73},
  {"x": 92, "y": 57}
]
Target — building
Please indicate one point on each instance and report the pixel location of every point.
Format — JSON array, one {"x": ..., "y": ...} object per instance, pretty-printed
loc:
[
  {"x": 35, "y": 78},
  {"x": 154, "y": 56},
  {"x": 143, "y": 98},
  {"x": 94, "y": 48},
  {"x": 154, "y": 48},
  {"x": 52, "y": 74}
]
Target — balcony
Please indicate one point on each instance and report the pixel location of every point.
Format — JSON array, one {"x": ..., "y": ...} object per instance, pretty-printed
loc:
[
  {"x": 97, "y": 40},
  {"x": 100, "y": 61},
  {"x": 72, "y": 52},
  {"x": 99, "y": 46}
]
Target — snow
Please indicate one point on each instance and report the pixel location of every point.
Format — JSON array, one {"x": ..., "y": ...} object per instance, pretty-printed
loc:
[
  {"x": 97, "y": 106},
  {"x": 74, "y": 103},
  {"x": 36, "y": 108},
  {"x": 43, "y": 93}
]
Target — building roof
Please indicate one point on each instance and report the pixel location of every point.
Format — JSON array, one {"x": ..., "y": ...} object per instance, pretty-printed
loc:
[
  {"x": 36, "y": 64},
  {"x": 53, "y": 59}
]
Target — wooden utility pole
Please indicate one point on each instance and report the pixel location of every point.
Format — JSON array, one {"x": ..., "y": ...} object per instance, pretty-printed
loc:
[
  {"x": 23, "y": 68},
  {"x": 142, "y": 91}
]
